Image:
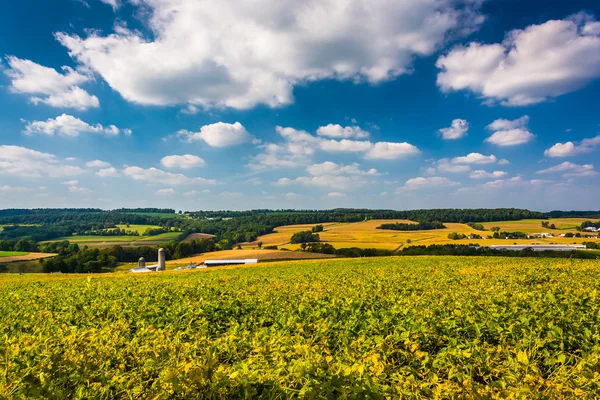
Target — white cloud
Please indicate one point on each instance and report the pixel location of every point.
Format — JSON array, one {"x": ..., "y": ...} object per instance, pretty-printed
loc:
[
  {"x": 97, "y": 164},
  {"x": 108, "y": 173},
  {"x": 15, "y": 189},
  {"x": 239, "y": 54},
  {"x": 530, "y": 66},
  {"x": 570, "y": 149},
  {"x": 481, "y": 174},
  {"x": 331, "y": 168},
  {"x": 516, "y": 181},
  {"x": 506, "y": 124},
  {"x": 338, "y": 132},
  {"x": 73, "y": 182},
  {"x": 503, "y": 161},
  {"x": 115, "y": 4},
  {"x": 510, "y": 133},
  {"x": 570, "y": 170},
  {"x": 219, "y": 134},
  {"x": 185, "y": 161},
  {"x": 475, "y": 158},
  {"x": 67, "y": 125},
  {"x": 81, "y": 190},
  {"x": 512, "y": 137},
  {"x": 457, "y": 130},
  {"x": 342, "y": 182},
  {"x": 335, "y": 194},
  {"x": 345, "y": 145},
  {"x": 391, "y": 151},
  {"x": 57, "y": 90},
  {"x": 332, "y": 175},
  {"x": 154, "y": 175},
  {"x": 165, "y": 192},
  {"x": 431, "y": 182},
  {"x": 24, "y": 162},
  {"x": 300, "y": 145},
  {"x": 445, "y": 165}
]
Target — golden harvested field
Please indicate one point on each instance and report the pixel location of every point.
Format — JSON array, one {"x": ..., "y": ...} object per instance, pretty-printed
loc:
[
  {"x": 282, "y": 234},
  {"x": 366, "y": 235}
]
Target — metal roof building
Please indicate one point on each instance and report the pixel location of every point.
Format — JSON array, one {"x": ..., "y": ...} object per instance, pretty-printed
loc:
[
  {"x": 214, "y": 263},
  {"x": 540, "y": 247}
]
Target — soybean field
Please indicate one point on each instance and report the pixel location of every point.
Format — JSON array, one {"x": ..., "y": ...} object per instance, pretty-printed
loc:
[{"x": 409, "y": 327}]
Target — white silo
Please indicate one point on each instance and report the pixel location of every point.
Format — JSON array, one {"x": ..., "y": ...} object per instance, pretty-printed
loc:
[
  {"x": 141, "y": 262},
  {"x": 161, "y": 259}
]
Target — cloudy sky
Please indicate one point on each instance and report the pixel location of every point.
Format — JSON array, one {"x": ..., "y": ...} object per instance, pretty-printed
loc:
[{"x": 238, "y": 104}]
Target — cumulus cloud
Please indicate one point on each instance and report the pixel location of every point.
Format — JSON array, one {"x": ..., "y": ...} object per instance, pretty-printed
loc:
[
  {"x": 391, "y": 151},
  {"x": 68, "y": 125},
  {"x": 570, "y": 149},
  {"x": 80, "y": 190},
  {"x": 510, "y": 133},
  {"x": 47, "y": 86},
  {"x": 513, "y": 182},
  {"x": 154, "y": 175},
  {"x": 457, "y": 130},
  {"x": 97, "y": 164},
  {"x": 570, "y": 170},
  {"x": 530, "y": 66},
  {"x": 431, "y": 182},
  {"x": 219, "y": 134},
  {"x": 300, "y": 145},
  {"x": 165, "y": 192},
  {"x": 23, "y": 162},
  {"x": 339, "y": 132},
  {"x": 73, "y": 182},
  {"x": 330, "y": 174},
  {"x": 15, "y": 189},
  {"x": 474, "y": 158},
  {"x": 115, "y": 4},
  {"x": 108, "y": 173},
  {"x": 335, "y": 194},
  {"x": 185, "y": 161},
  {"x": 331, "y": 168},
  {"x": 506, "y": 124},
  {"x": 481, "y": 174},
  {"x": 239, "y": 54}
]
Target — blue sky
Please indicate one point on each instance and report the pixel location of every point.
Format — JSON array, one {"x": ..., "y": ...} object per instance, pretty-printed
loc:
[{"x": 282, "y": 104}]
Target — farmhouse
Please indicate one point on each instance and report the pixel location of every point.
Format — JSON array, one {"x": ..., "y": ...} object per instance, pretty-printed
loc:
[
  {"x": 540, "y": 247},
  {"x": 542, "y": 235},
  {"x": 591, "y": 229}
]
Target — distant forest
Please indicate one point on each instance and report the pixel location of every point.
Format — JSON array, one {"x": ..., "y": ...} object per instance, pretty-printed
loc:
[{"x": 24, "y": 229}]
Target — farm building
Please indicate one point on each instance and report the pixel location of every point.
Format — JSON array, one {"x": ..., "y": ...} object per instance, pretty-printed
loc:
[
  {"x": 540, "y": 247},
  {"x": 591, "y": 229},
  {"x": 214, "y": 263},
  {"x": 142, "y": 267}
]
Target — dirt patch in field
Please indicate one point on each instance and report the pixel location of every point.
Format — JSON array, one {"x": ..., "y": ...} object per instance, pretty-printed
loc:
[
  {"x": 193, "y": 236},
  {"x": 26, "y": 257}
]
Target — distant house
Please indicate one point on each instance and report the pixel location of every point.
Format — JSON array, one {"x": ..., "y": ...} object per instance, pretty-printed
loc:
[
  {"x": 542, "y": 235},
  {"x": 591, "y": 229}
]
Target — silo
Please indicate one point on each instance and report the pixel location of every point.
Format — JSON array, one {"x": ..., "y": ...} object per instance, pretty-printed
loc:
[
  {"x": 161, "y": 259},
  {"x": 141, "y": 262}
]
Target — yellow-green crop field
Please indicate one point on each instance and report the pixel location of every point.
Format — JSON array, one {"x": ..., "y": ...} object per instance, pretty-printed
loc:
[
  {"x": 366, "y": 235},
  {"x": 402, "y": 327}
]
